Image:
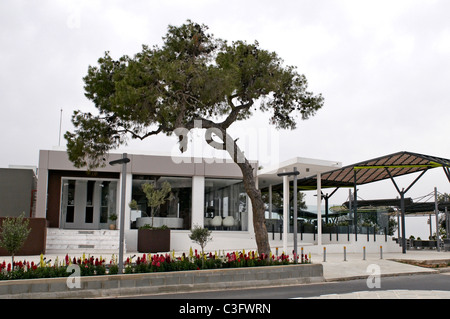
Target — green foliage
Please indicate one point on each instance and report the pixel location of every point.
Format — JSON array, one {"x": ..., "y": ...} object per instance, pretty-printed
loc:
[
  {"x": 156, "y": 196},
  {"x": 200, "y": 236},
  {"x": 392, "y": 225},
  {"x": 192, "y": 76},
  {"x": 13, "y": 233},
  {"x": 148, "y": 226}
]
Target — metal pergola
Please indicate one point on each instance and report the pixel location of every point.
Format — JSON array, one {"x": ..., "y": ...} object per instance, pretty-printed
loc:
[{"x": 378, "y": 169}]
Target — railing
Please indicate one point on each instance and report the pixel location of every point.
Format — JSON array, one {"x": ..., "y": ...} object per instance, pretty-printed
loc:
[{"x": 334, "y": 232}]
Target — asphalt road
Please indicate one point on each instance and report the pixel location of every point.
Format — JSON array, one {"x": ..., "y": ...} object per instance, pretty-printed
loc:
[{"x": 409, "y": 282}]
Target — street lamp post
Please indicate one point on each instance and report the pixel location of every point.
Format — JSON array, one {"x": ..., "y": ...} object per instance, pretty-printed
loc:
[
  {"x": 124, "y": 160},
  {"x": 295, "y": 173}
]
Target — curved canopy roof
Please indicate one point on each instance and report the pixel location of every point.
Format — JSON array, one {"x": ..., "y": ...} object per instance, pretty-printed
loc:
[{"x": 377, "y": 169}]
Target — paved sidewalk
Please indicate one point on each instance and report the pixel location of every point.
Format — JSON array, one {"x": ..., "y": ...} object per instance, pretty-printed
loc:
[
  {"x": 336, "y": 269},
  {"x": 389, "y": 294}
]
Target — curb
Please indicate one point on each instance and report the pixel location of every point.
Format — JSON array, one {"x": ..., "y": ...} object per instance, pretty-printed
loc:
[
  {"x": 383, "y": 275},
  {"x": 157, "y": 283}
]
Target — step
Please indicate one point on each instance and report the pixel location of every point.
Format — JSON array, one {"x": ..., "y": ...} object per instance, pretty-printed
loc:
[{"x": 82, "y": 241}]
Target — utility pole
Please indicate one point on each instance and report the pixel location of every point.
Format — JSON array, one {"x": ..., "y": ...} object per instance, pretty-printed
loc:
[{"x": 436, "y": 211}]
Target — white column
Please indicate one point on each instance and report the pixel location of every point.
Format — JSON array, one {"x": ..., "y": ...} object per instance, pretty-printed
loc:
[
  {"x": 42, "y": 185},
  {"x": 249, "y": 221},
  {"x": 285, "y": 212},
  {"x": 41, "y": 198},
  {"x": 319, "y": 213},
  {"x": 198, "y": 201}
]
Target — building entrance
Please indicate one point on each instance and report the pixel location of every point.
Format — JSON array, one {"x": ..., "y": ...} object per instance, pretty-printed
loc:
[{"x": 88, "y": 203}]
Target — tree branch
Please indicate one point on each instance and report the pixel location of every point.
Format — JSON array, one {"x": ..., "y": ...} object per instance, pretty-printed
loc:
[
  {"x": 235, "y": 111},
  {"x": 141, "y": 137}
]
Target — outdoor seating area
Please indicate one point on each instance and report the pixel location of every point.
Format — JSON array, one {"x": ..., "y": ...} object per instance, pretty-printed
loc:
[{"x": 221, "y": 223}]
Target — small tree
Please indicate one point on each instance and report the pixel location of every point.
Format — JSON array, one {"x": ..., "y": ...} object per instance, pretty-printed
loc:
[
  {"x": 13, "y": 233},
  {"x": 155, "y": 196},
  {"x": 200, "y": 236},
  {"x": 392, "y": 225}
]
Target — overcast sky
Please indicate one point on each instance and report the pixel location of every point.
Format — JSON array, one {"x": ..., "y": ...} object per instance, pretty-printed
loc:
[{"x": 382, "y": 66}]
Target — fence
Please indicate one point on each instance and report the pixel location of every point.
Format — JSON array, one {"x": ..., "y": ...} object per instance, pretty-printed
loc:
[{"x": 334, "y": 233}]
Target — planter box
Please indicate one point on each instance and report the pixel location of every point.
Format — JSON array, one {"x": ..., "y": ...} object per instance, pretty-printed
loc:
[
  {"x": 153, "y": 240},
  {"x": 35, "y": 244}
]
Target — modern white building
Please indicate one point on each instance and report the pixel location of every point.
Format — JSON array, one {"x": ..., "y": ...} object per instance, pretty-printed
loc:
[{"x": 208, "y": 192}]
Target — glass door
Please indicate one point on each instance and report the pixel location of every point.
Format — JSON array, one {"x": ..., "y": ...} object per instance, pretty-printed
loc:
[{"x": 87, "y": 204}]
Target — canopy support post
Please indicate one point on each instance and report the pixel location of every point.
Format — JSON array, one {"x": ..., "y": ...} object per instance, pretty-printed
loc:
[
  {"x": 319, "y": 212},
  {"x": 402, "y": 204},
  {"x": 326, "y": 197}
]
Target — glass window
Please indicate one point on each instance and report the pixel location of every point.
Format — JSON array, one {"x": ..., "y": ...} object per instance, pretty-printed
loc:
[
  {"x": 225, "y": 204},
  {"x": 108, "y": 200},
  {"x": 69, "y": 204},
  {"x": 175, "y": 212},
  {"x": 88, "y": 204}
]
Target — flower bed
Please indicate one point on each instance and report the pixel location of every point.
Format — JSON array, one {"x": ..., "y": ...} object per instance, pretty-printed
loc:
[{"x": 90, "y": 266}]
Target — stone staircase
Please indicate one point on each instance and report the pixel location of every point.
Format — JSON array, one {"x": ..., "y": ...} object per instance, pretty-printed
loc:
[{"x": 62, "y": 241}]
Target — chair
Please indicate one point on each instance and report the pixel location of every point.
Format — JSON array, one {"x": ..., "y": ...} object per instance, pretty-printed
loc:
[
  {"x": 216, "y": 221},
  {"x": 228, "y": 221}
]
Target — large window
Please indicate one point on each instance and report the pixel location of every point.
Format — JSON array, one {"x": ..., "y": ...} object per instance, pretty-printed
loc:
[
  {"x": 175, "y": 213},
  {"x": 225, "y": 204}
]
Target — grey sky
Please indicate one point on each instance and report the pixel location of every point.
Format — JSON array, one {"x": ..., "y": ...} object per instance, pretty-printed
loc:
[{"x": 382, "y": 67}]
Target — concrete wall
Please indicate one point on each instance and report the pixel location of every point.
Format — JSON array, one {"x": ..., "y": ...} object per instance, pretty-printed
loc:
[
  {"x": 16, "y": 191},
  {"x": 177, "y": 281},
  {"x": 239, "y": 240}
]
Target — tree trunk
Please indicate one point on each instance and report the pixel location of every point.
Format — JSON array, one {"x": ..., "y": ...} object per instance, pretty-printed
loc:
[
  {"x": 258, "y": 209},
  {"x": 230, "y": 145}
]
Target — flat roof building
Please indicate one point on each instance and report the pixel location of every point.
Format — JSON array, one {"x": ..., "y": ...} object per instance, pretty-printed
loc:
[{"x": 209, "y": 192}]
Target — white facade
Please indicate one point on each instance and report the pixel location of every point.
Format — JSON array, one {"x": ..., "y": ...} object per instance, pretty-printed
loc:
[
  {"x": 205, "y": 191},
  {"x": 70, "y": 198}
]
